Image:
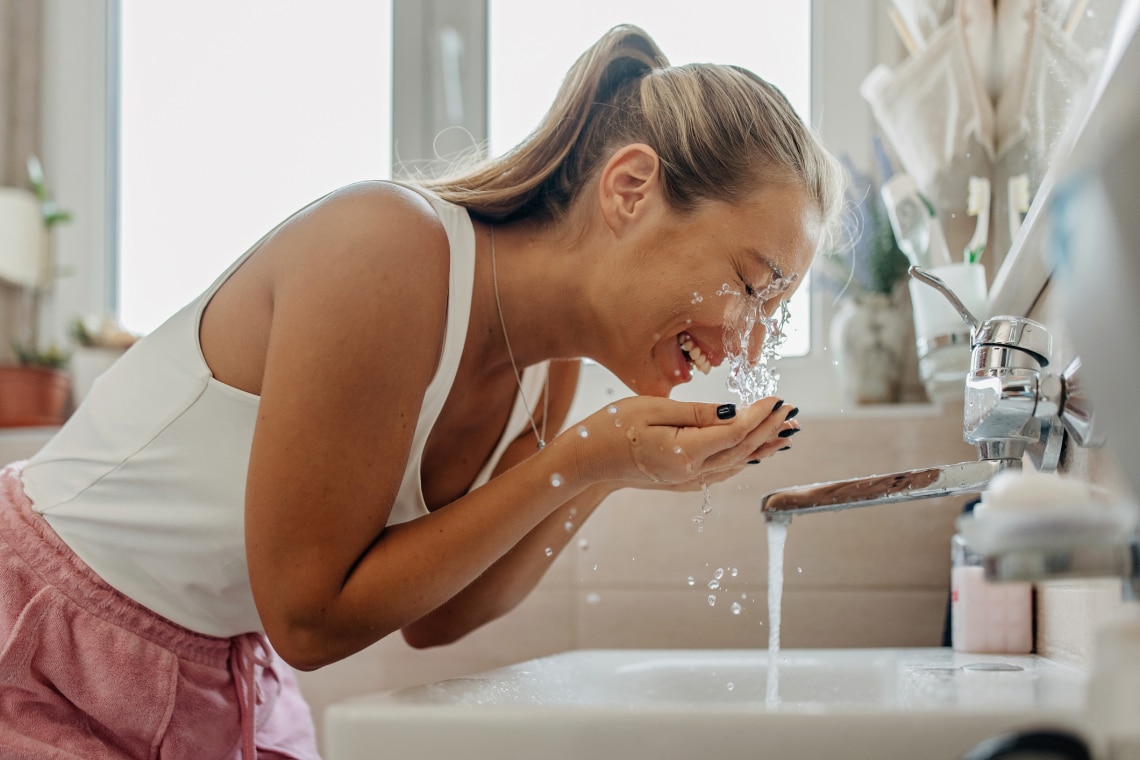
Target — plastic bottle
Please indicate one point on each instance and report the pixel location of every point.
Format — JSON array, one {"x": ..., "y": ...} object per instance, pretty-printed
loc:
[{"x": 987, "y": 617}]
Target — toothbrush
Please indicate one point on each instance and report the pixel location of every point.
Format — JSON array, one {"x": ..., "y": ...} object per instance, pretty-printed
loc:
[
  {"x": 1018, "y": 202},
  {"x": 978, "y": 204}
]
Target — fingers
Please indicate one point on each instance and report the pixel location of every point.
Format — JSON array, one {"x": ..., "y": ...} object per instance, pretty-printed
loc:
[{"x": 776, "y": 426}]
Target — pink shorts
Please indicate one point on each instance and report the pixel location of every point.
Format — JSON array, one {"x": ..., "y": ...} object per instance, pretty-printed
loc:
[{"x": 86, "y": 672}]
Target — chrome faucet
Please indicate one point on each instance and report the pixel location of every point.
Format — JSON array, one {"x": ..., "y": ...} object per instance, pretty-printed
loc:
[{"x": 1012, "y": 408}]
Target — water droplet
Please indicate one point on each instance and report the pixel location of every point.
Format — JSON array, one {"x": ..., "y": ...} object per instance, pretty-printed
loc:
[
  {"x": 678, "y": 450},
  {"x": 733, "y": 572},
  {"x": 583, "y": 432},
  {"x": 714, "y": 585},
  {"x": 698, "y": 519},
  {"x": 593, "y": 598},
  {"x": 691, "y": 580},
  {"x": 799, "y": 569},
  {"x": 712, "y": 599},
  {"x": 556, "y": 479},
  {"x": 719, "y": 573},
  {"x": 583, "y": 544},
  {"x": 569, "y": 526},
  {"x": 549, "y": 552},
  {"x": 573, "y": 511},
  {"x": 611, "y": 409},
  {"x": 617, "y": 422},
  {"x": 730, "y": 686},
  {"x": 736, "y": 608}
]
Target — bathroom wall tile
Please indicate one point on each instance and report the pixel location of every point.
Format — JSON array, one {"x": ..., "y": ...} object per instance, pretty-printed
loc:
[
  {"x": 649, "y": 538},
  {"x": 680, "y": 619},
  {"x": 1068, "y": 615}
]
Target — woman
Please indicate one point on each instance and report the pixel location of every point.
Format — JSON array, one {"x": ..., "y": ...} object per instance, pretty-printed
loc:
[{"x": 352, "y": 432}]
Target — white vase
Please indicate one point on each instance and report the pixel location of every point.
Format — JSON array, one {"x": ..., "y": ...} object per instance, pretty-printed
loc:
[{"x": 868, "y": 341}]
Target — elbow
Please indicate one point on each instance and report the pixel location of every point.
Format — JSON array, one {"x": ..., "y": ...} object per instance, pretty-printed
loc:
[
  {"x": 301, "y": 650},
  {"x": 422, "y": 637}
]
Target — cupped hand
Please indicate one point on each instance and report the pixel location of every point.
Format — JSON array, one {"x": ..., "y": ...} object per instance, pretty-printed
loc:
[{"x": 648, "y": 440}]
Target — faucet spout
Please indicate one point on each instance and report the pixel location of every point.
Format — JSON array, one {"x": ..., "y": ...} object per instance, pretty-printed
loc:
[{"x": 925, "y": 483}]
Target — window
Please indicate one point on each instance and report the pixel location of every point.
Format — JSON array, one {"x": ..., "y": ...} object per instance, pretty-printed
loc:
[{"x": 232, "y": 115}]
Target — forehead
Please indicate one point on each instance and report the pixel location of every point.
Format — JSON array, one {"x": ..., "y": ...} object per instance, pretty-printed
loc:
[{"x": 778, "y": 226}]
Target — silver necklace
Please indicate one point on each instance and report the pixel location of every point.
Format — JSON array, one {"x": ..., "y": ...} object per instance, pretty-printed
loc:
[{"x": 511, "y": 354}]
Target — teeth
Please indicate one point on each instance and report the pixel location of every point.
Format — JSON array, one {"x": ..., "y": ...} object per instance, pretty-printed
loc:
[{"x": 696, "y": 356}]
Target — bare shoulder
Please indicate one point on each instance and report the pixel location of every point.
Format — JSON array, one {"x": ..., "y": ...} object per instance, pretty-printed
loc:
[{"x": 369, "y": 251}]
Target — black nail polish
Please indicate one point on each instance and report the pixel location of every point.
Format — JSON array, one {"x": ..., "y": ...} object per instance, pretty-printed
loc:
[
  {"x": 753, "y": 461},
  {"x": 726, "y": 411},
  {"x": 779, "y": 403},
  {"x": 788, "y": 433},
  {"x": 785, "y": 448},
  {"x": 795, "y": 410}
]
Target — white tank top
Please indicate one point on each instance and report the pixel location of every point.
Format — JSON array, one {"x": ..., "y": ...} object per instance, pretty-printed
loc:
[{"x": 146, "y": 481}]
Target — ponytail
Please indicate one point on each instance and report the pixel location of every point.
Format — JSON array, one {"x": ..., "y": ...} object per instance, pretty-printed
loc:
[{"x": 721, "y": 133}]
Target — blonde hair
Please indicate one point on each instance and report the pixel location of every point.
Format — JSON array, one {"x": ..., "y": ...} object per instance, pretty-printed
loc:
[{"x": 721, "y": 133}]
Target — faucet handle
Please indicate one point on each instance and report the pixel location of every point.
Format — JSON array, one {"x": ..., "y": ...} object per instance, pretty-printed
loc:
[
  {"x": 934, "y": 281},
  {"x": 1064, "y": 396},
  {"x": 1017, "y": 332},
  {"x": 1012, "y": 332}
]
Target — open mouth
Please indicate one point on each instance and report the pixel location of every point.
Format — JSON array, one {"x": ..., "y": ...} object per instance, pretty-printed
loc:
[{"x": 693, "y": 354}]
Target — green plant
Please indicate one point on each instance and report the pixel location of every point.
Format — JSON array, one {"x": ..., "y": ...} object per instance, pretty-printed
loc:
[
  {"x": 868, "y": 258},
  {"x": 51, "y": 357},
  {"x": 29, "y": 353},
  {"x": 50, "y": 210}
]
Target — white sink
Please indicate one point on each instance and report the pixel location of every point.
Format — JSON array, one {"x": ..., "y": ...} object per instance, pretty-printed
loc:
[{"x": 686, "y": 704}]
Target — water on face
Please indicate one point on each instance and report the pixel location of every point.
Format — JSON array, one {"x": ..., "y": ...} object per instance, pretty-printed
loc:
[{"x": 748, "y": 379}]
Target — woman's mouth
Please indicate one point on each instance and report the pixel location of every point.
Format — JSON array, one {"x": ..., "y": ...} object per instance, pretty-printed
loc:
[{"x": 693, "y": 354}]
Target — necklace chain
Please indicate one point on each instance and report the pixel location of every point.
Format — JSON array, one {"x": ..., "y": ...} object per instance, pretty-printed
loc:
[{"x": 511, "y": 354}]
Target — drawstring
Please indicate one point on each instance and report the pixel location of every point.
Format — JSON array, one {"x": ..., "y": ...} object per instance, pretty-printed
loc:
[{"x": 247, "y": 652}]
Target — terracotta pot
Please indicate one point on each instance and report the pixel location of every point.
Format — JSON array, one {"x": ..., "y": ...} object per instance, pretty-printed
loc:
[{"x": 33, "y": 396}]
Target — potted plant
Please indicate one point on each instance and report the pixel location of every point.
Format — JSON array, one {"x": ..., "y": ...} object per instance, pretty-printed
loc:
[
  {"x": 34, "y": 390},
  {"x": 867, "y": 271}
]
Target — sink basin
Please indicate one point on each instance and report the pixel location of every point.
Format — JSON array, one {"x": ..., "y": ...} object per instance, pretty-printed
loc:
[{"x": 684, "y": 704}]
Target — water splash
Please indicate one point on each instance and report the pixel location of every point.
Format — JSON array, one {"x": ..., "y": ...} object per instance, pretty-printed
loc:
[{"x": 748, "y": 379}]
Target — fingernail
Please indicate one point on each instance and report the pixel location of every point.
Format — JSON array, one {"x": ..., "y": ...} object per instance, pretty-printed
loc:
[
  {"x": 726, "y": 411},
  {"x": 788, "y": 433},
  {"x": 779, "y": 403},
  {"x": 793, "y": 413},
  {"x": 785, "y": 448},
  {"x": 753, "y": 461}
]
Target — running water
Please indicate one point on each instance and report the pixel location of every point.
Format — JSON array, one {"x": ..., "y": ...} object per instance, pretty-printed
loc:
[{"x": 777, "y": 537}]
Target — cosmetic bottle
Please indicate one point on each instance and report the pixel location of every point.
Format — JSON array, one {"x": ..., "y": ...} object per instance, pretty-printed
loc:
[{"x": 987, "y": 617}]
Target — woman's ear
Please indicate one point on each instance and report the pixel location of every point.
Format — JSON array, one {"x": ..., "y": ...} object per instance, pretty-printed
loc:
[{"x": 629, "y": 185}]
